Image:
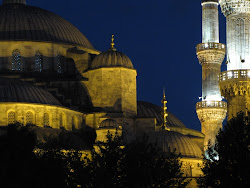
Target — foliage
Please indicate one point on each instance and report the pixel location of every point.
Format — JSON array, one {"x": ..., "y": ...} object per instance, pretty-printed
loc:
[
  {"x": 133, "y": 165},
  {"x": 228, "y": 162}
]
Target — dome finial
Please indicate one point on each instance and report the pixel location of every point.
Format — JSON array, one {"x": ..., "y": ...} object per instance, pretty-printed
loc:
[
  {"x": 112, "y": 43},
  {"x": 14, "y": 1},
  {"x": 165, "y": 114}
]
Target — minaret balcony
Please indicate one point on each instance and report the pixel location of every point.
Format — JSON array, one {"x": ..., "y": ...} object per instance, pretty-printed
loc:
[
  {"x": 211, "y": 104},
  {"x": 210, "y": 46},
  {"x": 235, "y": 75}
]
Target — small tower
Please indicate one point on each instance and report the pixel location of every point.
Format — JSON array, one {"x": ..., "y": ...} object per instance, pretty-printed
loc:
[
  {"x": 112, "y": 82},
  {"x": 211, "y": 110},
  {"x": 235, "y": 82},
  {"x": 165, "y": 114}
]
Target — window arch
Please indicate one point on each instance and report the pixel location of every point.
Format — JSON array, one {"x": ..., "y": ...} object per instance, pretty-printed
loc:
[
  {"x": 62, "y": 120},
  {"x": 38, "y": 62},
  {"x": 29, "y": 118},
  {"x": 11, "y": 117},
  {"x": 59, "y": 64},
  {"x": 16, "y": 60},
  {"x": 46, "y": 120},
  {"x": 74, "y": 122}
]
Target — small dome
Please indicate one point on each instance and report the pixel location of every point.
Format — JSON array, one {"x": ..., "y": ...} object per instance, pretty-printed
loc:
[
  {"x": 108, "y": 123},
  {"x": 174, "y": 140},
  {"x": 14, "y": 90},
  {"x": 111, "y": 58},
  {"x": 20, "y": 22},
  {"x": 149, "y": 110}
]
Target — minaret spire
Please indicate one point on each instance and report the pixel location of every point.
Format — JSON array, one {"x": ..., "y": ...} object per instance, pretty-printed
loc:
[
  {"x": 112, "y": 43},
  {"x": 165, "y": 114}
]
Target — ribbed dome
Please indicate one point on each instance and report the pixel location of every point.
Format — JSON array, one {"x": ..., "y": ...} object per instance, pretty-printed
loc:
[
  {"x": 14, "y": 1},
  {"x": 111, "y": 58},
  {"x": 108, "y": 123},
  {"x": 19, "y": 22},
  {"x": 174, "y": 140},
  {"x": 14, "y": 90},
  {"x": 149, "y": 110}
]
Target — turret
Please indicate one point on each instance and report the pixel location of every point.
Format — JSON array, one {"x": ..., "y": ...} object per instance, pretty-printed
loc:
[
  {"x": 235, "y": 82},
  {"x": 112, "y": 82},
  {"x": 212, "y": 110}
]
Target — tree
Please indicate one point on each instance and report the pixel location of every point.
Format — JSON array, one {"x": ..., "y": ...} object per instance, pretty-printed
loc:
[
  {"x": 133, "y": 165},
  {"x": 228, "y": 162}
]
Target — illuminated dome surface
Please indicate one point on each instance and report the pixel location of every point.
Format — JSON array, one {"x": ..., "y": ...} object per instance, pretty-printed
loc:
[
  {"x": 111, "y": 58},
  {"x": 149, "y": 110},
  {"x": 20, "y": 22},
  {"x": 13, "y": 90},
  {"x": 174, "y": 140}
]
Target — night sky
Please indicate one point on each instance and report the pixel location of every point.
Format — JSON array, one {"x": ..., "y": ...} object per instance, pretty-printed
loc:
[{"x": 159, "y": 36}]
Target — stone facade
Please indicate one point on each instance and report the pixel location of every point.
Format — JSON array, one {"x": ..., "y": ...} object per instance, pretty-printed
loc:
[
  {"x": 27, "y": 113},
  {"x": 120, "y": 83}
]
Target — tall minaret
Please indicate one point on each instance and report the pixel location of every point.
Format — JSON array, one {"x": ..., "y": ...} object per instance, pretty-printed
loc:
[
  {"x": 211, "y": 110},
  {"x": 235, "y": 82}
]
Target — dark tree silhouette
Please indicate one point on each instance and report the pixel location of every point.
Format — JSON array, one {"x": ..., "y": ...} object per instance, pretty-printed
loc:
[
  {"x": 133, "y": 165},
  {"x": 228, "y": 163}
]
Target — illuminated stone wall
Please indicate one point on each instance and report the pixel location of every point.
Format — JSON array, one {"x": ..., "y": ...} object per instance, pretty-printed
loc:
[
  {"x": 50, "y": 51},
  {"x": 113, "y": 89},
  {"x": 69, "y": 117}
]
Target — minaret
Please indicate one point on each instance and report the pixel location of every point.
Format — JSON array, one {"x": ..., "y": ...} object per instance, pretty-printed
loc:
[
  {"x": 165, "y": 114},
  {"x": 235, "y": 82},
  {"x": 211, "y": 110}
]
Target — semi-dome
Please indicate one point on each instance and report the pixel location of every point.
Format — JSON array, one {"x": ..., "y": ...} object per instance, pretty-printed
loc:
[
  {"x": 14, "y": 90},
  {"x": 149, "y": 110},
  {"x": 20, "y": 22},
  {"x": 108, "y": 123},
  {"x": 175, "y": 142}
]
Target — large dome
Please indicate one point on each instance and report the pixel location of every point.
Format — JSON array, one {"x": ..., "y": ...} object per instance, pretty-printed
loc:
[
  {"x": 20, "y": 22},
  {"x": 175, "y": 142},
  {"x": 14, "y": 90},
  {"x": 149, "y": 110}
]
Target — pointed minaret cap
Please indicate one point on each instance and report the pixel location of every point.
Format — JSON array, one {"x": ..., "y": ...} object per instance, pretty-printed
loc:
[
  {"x": 14, "y": 1},
  {"x": 112, "y": 43}
]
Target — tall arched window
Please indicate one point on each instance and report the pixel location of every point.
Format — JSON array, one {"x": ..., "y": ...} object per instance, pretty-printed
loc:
[
  {"x": 38, "y": 62},
  {"x": 29, "y": 118},
  {"x": 62, "y": 120},
  {"x": 16, "y": 60},
  {"x": 74, "y": 122},
  {"x": 46, "y": 119},
  {"x": 11, "y": 117},
  {"x": 59, "y": 64}
]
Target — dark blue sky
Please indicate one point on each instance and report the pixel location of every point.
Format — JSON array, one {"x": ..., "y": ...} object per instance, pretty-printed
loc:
[{"x": 159, "y": 36}]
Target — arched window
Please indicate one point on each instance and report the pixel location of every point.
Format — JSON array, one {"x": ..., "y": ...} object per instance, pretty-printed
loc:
[
  {"x": 59, "y": 64},
  {"x": 38, "y": 62},
  {"x": 16, "y": 60},
  {"x": 29, "y": 118},
  {"x": 62, "y": 120},
  {"x": 46, "y": 119},
  {"x": 11, "y": 117},
  {"x": 74, "y": 122}
]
